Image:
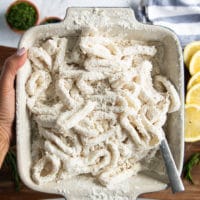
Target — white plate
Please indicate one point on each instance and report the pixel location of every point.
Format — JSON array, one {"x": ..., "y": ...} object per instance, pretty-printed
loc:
[{"x": 115, "y": 21}]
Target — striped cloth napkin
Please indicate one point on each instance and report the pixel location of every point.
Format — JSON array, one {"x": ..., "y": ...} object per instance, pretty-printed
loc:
[{"x": 181, "y": 16}]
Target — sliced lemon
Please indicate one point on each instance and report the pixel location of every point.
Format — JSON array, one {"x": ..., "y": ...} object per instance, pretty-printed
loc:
[
  {"x": 194, "y": 66},
  {"x": 193, "y": 95},
  {"x": 190, "y": 50},
  {"x": 193, "y": 80},
  {"x": 192, "y": 125}
]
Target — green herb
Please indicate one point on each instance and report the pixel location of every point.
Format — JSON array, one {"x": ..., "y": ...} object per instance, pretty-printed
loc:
[
  {"x": 21, "y": 16},
  {"x": 11, "y": 162},
  {"x": 193, "y": 161}
]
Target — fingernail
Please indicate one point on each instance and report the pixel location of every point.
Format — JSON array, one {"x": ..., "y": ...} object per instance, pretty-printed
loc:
[{"x": 21, "y": 51}]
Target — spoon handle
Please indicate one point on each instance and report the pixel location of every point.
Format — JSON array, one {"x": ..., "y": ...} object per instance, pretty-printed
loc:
[{"x": 173, "y": 174}]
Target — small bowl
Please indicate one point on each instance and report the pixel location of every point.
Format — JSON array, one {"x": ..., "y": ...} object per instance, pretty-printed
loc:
[
  {"x": 50, "y": 20},
  {"x": 20, "y": 31}
]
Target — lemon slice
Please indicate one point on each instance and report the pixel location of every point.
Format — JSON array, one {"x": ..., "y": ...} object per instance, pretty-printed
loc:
[
  {"x": 192, "y": 125},
  {"x": 194, "y": 66},
  {"x": 193, "y": 80},
  {"x": 193, "y": 95},
  {"x": 190, "y": 50}
]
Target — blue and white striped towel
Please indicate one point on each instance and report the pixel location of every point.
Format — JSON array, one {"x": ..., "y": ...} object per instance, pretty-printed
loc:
[{"x": 181, "y": 16}]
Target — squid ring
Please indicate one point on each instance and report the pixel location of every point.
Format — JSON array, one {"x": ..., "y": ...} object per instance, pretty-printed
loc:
[{"x": 46, "y": 169}]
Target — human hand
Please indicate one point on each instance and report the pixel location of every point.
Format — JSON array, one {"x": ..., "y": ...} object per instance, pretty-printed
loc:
[{"x": 7, "y": 98}]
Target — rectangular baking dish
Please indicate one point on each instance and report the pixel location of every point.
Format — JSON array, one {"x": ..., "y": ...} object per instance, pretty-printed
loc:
[{"x": 115, "y": 21}]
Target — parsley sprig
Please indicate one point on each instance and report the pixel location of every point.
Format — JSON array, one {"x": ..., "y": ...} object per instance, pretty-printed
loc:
[
  {"x": 11, "y": 163},
  {"x": 193, "y": 161}
]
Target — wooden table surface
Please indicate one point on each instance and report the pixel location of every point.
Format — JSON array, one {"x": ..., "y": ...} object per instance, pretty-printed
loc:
[{"x": 7, "y": 190}]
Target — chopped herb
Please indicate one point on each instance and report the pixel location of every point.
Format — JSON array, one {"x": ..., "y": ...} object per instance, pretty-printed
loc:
[
  {"x": 193, "y": 161},
  {"x": 21, "y": 16},
  {"x": 11, "y": 162}
]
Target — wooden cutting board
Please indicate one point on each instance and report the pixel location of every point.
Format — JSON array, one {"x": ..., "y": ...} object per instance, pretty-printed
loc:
[{"x": 7, "y": 190}]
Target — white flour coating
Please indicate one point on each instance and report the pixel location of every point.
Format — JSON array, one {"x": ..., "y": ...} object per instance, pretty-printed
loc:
[{"x": 97, "y": 107}]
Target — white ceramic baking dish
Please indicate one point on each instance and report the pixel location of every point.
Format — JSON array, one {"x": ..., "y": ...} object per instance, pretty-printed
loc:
[{"x": 115, "y": 21}]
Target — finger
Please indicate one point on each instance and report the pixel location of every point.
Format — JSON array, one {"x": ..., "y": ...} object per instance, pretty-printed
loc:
[
  {"x": 12, "y": 64},
  {"x": 4, "y": 144}
]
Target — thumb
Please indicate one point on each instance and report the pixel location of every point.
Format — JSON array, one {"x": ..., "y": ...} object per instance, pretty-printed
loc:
[{"x": 11, "y": 65}]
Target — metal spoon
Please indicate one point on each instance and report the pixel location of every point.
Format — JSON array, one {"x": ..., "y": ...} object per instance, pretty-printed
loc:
[{"x": 173, "y": 174}]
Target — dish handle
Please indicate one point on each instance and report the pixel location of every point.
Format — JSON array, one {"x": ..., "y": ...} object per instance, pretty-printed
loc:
[{"x": 77, "y": 18}]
